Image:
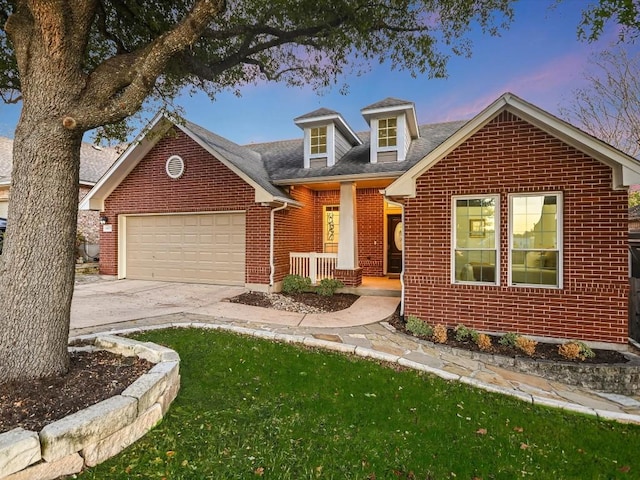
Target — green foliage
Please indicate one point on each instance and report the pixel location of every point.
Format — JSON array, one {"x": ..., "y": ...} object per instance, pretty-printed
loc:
[
  {"x": 634, "y": 197},
  {"x": 418, "y": 327},
  {"x": 509, "y": 339},
  {"x": 463, "y": 333},
  {"x": 626, "y": 13},
  {"x": 249, "y": 408},
  {"x": 296, "y": 284},
  {"x": 585, "y": 351},
  {"x": 328, "y": 286}
]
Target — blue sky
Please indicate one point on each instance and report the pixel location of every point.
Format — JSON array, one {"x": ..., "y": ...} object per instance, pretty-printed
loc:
[{"x": 539, "y": 58}]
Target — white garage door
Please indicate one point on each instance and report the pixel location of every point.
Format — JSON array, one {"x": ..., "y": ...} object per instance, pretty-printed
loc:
[{"x": 207, "y": 248}]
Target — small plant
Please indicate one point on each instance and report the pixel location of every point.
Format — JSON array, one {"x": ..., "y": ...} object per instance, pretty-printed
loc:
[
  {"x": 509, "y": 339},
  {"x": 526, "y": 345},
  {"x": 439, "y": 334},
  {"x": 418, "y": 327},
  {"x": 463, "y": 333},
  {"x": 296, "y": 284},
  {"x": 328, "y": 286},
  {"x": 483, "y": 341},
  {"x": 573, "y": 350}
]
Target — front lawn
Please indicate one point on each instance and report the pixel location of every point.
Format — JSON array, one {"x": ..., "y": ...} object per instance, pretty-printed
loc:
[{"x": 251, "y": 408}]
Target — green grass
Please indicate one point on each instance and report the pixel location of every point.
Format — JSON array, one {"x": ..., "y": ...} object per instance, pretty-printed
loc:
[{"x": 250, "y": 408}]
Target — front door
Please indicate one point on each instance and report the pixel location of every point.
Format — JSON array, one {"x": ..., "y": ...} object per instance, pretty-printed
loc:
[{"x": 394, "y": 243}]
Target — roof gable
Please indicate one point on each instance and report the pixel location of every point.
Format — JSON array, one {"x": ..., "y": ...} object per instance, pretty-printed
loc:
[
  {"x": 626, "y": 170},
  {"x": 246, "y": 163}
]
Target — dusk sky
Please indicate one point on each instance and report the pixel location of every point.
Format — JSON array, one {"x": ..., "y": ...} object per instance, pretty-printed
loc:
[{"x": 539, "y": 59}]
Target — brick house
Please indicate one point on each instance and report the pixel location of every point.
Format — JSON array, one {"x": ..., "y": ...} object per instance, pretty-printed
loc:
[
  {"x": 512, "y": 221},
  {"x": 94, "y": 162}
]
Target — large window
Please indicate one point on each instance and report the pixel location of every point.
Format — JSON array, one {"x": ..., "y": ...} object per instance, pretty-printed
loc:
[
  {"x": 475, "y": 239},
  {"x": 387, "y": 132},
  {"x": 331, "y": 228},
  {"x": 318, "y": 140},
  {"x": 535, "y": 239}
]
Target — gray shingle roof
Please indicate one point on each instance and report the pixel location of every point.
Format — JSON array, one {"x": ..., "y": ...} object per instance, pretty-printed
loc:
[
  {"x": 388, "y": 102},
  {"x": 321, "y": 112},
  {"x": 284, "y": 160},
  {"x": 245, "y": 159},
  {"x": 94, "y": 162}
]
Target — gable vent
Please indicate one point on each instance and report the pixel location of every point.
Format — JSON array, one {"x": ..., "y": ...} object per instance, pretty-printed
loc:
[{"x": 175, "y": 166}]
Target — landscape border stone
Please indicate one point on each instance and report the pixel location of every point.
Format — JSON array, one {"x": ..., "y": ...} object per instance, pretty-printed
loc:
[{"x": 96, "y": 433}]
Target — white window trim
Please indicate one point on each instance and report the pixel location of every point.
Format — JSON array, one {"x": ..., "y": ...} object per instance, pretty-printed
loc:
[
  {"x": 330, "y": 154},
  {"x": 496, "y": 233},
  {"x": 560, "y": 230}
]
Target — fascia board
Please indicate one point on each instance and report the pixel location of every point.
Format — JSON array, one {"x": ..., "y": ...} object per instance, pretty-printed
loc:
[
  {"x": 94, "y": 200},
  {"x": 337, "y": 178}
]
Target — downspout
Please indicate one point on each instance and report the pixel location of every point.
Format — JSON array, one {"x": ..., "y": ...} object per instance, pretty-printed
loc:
[{"x": 272, "y": 240}]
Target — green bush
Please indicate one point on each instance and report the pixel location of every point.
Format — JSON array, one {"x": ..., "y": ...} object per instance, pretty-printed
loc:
[
  {"x": 296, "y": 284},
  {"x": 585, "y": 351},
  {"x": 418, "y": 327},
  {"x": 463, "y": 333},
  {"x": 328, "y": 286},
  {"x": 509, "y": 339}
]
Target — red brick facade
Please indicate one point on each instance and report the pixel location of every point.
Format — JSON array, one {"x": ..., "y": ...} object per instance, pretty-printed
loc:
[
  {"x": 206, "y": 186},
  {"x": 507, "y": 156}
]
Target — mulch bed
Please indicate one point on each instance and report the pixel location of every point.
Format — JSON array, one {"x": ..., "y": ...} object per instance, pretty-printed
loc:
[
  {"x": 92, "y": 377},
  {"x": 544, "y": 351},
  {"x": 333, "y": 303}
]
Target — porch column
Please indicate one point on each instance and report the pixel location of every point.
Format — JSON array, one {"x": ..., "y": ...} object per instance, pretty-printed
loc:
[{"x": 347, "y": 270}]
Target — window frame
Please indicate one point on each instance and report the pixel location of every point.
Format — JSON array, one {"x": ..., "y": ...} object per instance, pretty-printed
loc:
[
  {"x": 496, "y": 233},
  {"x": 559, "y": 240},
  {"x": 386, "y": 137},
  {"x": 318, "y": 137}
]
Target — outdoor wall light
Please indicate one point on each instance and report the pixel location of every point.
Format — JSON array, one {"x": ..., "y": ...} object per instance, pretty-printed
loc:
[{"x": 103, "y": 219}]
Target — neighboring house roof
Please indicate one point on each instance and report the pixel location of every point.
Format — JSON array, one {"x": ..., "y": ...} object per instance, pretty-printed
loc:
[
  {"x": 634, "y": 213},
  {"x": 94, "y": 161},
  {"x": 626, "y": 169}
]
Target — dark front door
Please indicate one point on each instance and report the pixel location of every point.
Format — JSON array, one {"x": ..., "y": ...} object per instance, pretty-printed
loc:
[{"x": 394, "y": 243}]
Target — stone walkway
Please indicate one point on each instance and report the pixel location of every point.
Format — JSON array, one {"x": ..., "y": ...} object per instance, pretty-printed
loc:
[{"x": 381, "y": 341}]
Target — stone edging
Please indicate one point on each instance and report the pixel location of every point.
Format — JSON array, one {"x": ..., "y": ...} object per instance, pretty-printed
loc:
[
  {"x": 387, "y": 357},
  {"x": 92, "y": 435}
]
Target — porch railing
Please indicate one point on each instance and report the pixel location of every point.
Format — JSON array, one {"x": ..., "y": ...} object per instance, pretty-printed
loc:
[{"x": 314, "y": 265}]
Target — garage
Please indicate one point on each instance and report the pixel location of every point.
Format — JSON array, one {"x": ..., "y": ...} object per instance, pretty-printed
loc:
[{"x": 195, "y": 248}]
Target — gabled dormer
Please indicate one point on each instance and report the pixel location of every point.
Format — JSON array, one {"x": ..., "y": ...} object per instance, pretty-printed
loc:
[
  {"x": 393, "y": 125},
  {"x": 327, "y": 137}
]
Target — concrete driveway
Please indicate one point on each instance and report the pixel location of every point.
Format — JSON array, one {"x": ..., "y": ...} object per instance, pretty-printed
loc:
[{"x": 103, "y": 302}]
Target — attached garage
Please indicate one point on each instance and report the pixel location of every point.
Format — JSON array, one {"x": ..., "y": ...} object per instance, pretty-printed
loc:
[{"x": 194, "y": 248}]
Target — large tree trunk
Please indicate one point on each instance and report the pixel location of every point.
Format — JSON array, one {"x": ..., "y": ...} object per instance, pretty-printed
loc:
[{"x": 39, "y": 256}]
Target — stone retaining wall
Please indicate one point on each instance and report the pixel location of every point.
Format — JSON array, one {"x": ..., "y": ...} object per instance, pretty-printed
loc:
[{"x": 92, "y": 435}]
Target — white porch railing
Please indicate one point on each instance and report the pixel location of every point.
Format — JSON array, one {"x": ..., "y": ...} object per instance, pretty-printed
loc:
[{"x": 314, "y": 265}]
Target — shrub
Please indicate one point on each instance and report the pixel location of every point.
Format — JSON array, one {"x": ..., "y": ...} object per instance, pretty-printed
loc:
[
  {"x": 418, "y": 327},
  {"x": 509, "y": 339},
  {"x": 483, "y": 341},
  {"x": 526, "y": 345},
  {"x": 328, "y": 286},
  {"x": 573, "y": 350},
  {"x": 463, "y": 333},
  {"x": 296, "y": 284},
  {"x": 439, "y": 334}
]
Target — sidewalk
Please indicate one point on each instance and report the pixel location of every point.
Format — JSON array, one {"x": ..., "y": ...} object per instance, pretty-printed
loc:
[{"x": 361, "y": 330}]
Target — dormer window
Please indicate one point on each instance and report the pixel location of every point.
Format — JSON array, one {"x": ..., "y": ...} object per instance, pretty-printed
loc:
[
  {"x": 327, "y": 137},
  {"x": 393, "y": 126},
  {"x": 388, "y": 132},
  {"x": 318, "y": 140}
]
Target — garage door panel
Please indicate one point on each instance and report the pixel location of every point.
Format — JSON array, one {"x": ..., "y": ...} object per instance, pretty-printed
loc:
[{"x": 207, "y": 248}]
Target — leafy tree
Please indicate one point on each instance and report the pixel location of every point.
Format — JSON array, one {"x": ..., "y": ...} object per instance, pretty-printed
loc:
[
  {"x": 609, "y": 106},
  {"x": 78, "y": 65},
  {"x": 625, "y": 13}
]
